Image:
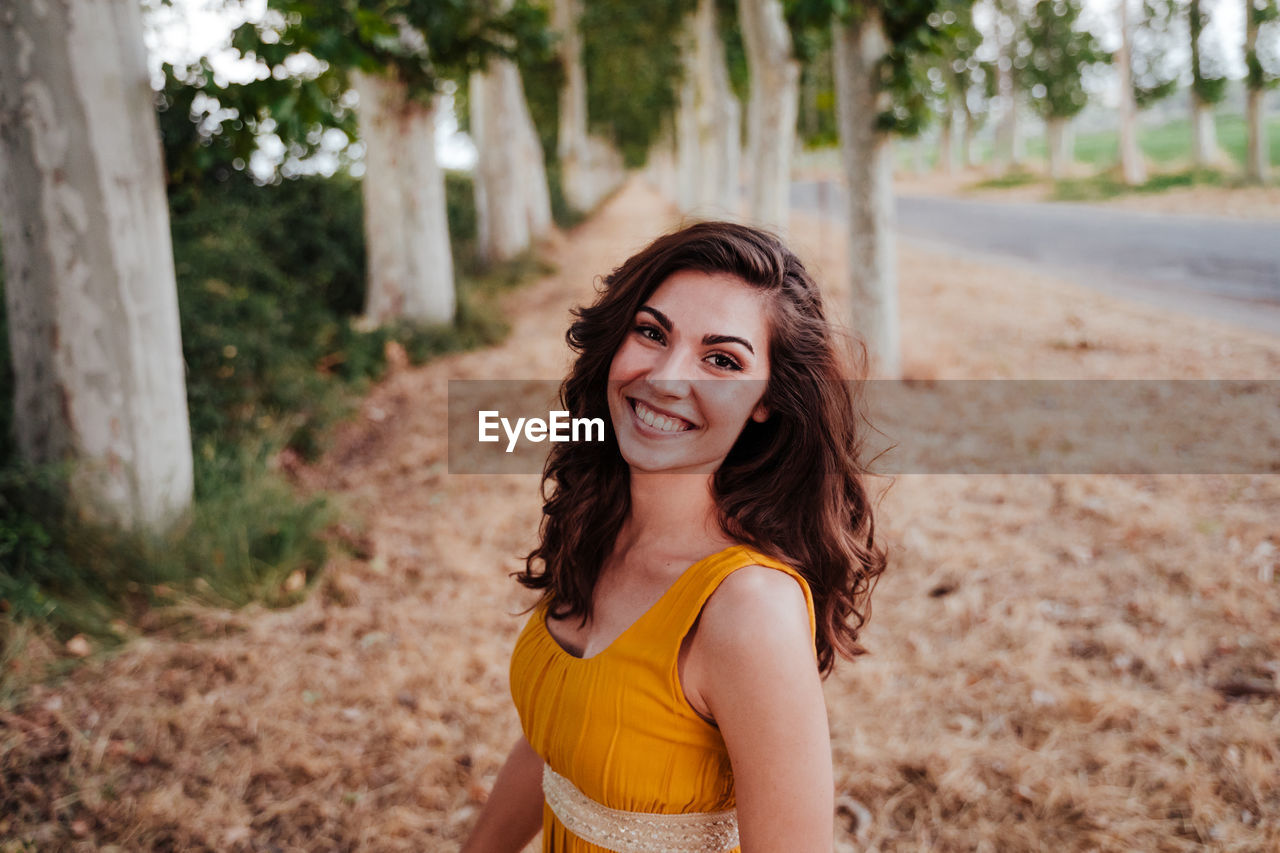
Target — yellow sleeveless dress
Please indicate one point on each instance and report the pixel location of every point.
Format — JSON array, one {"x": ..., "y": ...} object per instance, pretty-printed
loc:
[{"x": 617, "y": 724}]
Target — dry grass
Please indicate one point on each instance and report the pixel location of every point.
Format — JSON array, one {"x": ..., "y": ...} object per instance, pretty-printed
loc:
[{"x": 1051, "y": 664}]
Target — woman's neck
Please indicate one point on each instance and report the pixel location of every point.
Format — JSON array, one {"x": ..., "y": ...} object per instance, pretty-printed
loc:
[{"x": 673, "y": 507}]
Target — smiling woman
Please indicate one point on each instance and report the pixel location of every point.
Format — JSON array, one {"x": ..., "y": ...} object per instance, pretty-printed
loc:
[
  {"x": 700, "y": 568},
  {"x": 670, "y": 406}
]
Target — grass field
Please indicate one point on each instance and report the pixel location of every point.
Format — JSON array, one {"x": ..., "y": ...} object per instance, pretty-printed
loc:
[{"x": 1167, "y": 144}]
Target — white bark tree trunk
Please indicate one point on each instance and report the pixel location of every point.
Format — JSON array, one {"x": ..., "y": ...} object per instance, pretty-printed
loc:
[
  {"x": 775, "y": 93},
  {"x": 89, "y": 275},
  {"x": 688, "y": 152},
  {"x": 1257, "y": 161},
  {"x": 947, "y": 160},
  {"x": 1061, "y": 147},
  {"x": 709, "y": 122},
  {"x": 1133, "y": 167},
  {"x": 512, "y": 202},
  {"x": 1008, "y": 148},
  {"x": 661, "y": 164},
  {"x": 571, "y": 141},
  {"x": 406, "y": 224},
  {"x": 966, "y": 145},
  {"x": 1256, "y": 168},
  {"x": 1204, "y": 135},
  {"x": 868, "y": 167},
  {"x": 590, "y": 167}
]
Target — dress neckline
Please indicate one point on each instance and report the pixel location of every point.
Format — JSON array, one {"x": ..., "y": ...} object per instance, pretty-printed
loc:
[{"x": 684, "y": 576}]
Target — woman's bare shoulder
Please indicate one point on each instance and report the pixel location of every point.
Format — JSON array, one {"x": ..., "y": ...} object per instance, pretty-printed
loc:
[{"x": 753, "y": 609}]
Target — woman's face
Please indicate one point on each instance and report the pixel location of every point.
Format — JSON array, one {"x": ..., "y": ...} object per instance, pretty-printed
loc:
[{"x": 690, "y": 373}]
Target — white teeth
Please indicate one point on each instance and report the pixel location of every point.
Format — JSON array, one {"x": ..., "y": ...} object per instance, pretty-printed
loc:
[{"x": 659, "y": 422}]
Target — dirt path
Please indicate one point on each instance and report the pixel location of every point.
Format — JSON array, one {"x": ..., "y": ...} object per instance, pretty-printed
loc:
[{"x": 1045, "y": 649}]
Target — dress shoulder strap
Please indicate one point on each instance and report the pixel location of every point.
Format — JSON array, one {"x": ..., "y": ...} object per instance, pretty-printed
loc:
[{"x": 681, "y": 610}]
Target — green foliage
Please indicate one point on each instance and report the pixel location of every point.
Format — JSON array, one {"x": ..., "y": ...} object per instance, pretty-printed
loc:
[
  {"x": 1059, "y": 52},
  {"x": 729, "y": 25},
  {"x": 422, "y": 41},
  {"x": 1012, "y": 178},
  {"x": 817, "y": 126},
  {"x": 1110, "y": 184},
  {"x": 1207, "y": 77},
  {"x": 264, "y": 285},
  {"x": 305, "y": 52},
  {"x": 542, "y": 77},
  {"x": 631, "y": 55},
  {"x": 916, "y": 31},
  {"x": 1262, "y": 64},
  {"x": 209, "y": 128},
  {"x": 952, "y": 76},
  {"x": 243, "y": 538},
  {"x": 1155, "y": 65}
]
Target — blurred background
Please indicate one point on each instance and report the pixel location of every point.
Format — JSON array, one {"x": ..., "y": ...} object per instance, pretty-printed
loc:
[{"x": 246, "y": 245}]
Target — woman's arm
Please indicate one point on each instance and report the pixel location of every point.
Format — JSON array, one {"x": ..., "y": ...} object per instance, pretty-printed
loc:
[
  {"x": 752, "y": 662},
  {"x": 512, "y": 815}
]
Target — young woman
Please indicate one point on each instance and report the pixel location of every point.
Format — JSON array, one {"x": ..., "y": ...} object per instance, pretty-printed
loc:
[{"x": 700, "y": 569}]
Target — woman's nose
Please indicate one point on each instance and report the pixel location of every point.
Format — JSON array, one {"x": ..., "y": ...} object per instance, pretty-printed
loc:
[{"x": 673, "y": 372}]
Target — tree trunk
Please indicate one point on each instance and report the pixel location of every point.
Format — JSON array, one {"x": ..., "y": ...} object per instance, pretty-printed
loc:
[
  {"x": 946, "y": 162},
  {"x": 708, "y": 132},
  {"x": 1008, "y": 148},
  {"x": 406, "y": 225},
  {"x": 966, "y": 147},
  {"x": 89, "y": 275},
  {"x": 1257, "y": 160},
  {"x": 1061, "y": 154},
  {"x": 590, "y": 168},
  {"x": 1133, "y": 168},
  {"x": 1257, "y": 166},
  {"x": 1204, "y": 139},
  {"x": 571, "y": 141},
  {"x": 688, "y": 151},
  {"x": 660, "y": 164},
  {"x": 775, "y": 91},
  {"x": 868, "y": 167},
  {"x": 512, "y": 202},
  {"x": 1007, "y": 125}
]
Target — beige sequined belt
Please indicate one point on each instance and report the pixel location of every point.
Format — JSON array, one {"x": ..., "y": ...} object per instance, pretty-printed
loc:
[{"x": 637, "y": 832}]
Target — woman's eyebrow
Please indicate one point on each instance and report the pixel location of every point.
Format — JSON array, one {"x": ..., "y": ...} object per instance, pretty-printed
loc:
[
  {"x": 707, "y": 340},
  {"x": 663, "y": 320},
  {"x": 710, "y": 340}
]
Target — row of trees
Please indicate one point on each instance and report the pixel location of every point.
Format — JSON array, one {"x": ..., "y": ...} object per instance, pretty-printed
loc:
[
  {"x": 89, "y": 268},
  {"x": 1038, "y": 53},
  {"x": 89, "y": 272}
]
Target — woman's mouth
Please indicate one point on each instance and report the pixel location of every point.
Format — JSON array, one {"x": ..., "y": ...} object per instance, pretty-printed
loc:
[{"x": 656, "y": 420}]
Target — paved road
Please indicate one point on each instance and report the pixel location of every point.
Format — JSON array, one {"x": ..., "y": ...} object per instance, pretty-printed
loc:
[{"x": 1226, "y": 269}]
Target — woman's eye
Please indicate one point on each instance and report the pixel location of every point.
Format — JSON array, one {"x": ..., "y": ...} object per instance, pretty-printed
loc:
[
  {"x": 650, "y": 332},
  {"x": 723, "y": 361}
]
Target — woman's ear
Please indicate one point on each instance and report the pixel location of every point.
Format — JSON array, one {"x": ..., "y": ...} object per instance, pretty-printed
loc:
[{"x": 761, "y": 413}]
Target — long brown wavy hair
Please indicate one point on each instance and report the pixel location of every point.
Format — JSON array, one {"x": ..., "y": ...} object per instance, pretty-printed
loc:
[{"x": 791, "y": 487}]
